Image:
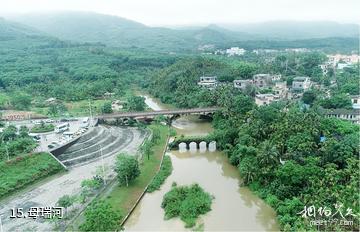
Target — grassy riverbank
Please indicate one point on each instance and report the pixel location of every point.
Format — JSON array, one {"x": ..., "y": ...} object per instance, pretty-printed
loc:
[
  {"x": 160, "y": 177},
  {"x": 25, "y": 170},
  {"x": 123, "y": 198}
]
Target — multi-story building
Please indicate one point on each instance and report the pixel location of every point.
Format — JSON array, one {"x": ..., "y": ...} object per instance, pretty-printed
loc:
[
  {"x": 352, "y": 115},
  {"x": 301, "y": 83},
  {"x": 208, "y": 82},
  {"x": 241, "y": 84},
  {"x": 262, "y": 80}
]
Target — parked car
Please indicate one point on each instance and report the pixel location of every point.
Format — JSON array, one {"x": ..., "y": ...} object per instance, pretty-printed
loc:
[
  {"x": 39, "y": 122},
  {"x": 37, "y": 138},
  {"x": 53, "y": 145}
]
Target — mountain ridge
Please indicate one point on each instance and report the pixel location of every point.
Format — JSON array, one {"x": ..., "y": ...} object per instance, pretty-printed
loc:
[{"x": 115, "y": 31}]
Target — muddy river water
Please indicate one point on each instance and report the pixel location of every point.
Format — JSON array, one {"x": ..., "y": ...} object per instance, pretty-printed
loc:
[{"x": 234, "y": 208}]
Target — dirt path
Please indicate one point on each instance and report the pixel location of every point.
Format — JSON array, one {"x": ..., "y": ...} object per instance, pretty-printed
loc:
[{"x": 48, "y": 193}]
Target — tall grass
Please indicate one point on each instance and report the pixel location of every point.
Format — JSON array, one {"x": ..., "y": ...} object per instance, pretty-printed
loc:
[{"x": 24, "y": 170}]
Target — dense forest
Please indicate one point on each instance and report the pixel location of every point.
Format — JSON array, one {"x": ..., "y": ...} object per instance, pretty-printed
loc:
[
  {"x": 35, "y": 67},
  {"x": 293, "y": 158}
]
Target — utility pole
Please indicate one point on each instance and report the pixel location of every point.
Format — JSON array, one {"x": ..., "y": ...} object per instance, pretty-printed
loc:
[
  {"x": 7, "y": 151},
  {"x": 102, "y": 163},
  {"x": 91, "y": 119},
  {"x": 1, "y": 225}
]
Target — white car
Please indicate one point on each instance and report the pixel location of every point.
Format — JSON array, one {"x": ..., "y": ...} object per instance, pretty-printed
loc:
[{"x": 39, "y": 122}]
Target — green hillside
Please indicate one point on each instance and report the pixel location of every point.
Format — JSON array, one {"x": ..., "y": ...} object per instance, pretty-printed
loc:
[{"x": 120, "y": 32}]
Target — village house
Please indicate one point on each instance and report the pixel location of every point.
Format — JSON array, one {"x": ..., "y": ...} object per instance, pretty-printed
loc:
[
  {"x": 262, "y": 80},
  {"x": 51, "y": 100},
  {"x": 265, "y": 99},
  {"x": 117, "y": 105},
  {"x": 301, "y": 83},
  {"x": 108, "y": 95},
  {"x": 208, "y": 82},
  {"x": 241, "y": 84},
  {"x": 281, "y": 89}
]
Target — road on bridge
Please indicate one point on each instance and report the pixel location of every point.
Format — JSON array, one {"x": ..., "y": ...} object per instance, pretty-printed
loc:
[{"x": 160, "y": 112}]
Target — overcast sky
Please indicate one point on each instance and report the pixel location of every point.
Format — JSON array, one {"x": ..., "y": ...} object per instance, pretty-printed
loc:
[{"x": 183, "y": 12}]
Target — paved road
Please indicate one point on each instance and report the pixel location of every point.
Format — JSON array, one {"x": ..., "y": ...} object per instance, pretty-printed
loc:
[{"x": 48, "y": 193}]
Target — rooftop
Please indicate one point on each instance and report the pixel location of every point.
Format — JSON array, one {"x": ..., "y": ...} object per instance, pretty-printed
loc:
[{"x": 300, "y": 78}]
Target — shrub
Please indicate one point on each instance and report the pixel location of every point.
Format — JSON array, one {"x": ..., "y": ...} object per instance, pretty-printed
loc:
[
  {"x": 42, "y": 128},
  {"x": 188, "y": 202},
  {"x": 165, "y": 171}
]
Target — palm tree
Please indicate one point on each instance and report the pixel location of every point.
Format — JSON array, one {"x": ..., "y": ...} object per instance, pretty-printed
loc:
[{"x": 268, "y": 155}]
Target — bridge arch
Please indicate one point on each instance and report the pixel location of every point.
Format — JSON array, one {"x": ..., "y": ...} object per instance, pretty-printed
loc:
[
  {"x": 203, "y": 145},
  {"x": 212, "y": 146},
  {"x": 193, "y": 146},
  {"x": 182, "y": 146}
]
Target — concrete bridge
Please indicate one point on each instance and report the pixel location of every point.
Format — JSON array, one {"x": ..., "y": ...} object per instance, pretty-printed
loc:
[
  {"x": 151, "y": 114},
  {"x": 187, "y": 141}
]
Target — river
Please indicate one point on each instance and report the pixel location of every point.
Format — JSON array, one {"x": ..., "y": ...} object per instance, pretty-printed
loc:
[{"x": 234, "y": 208}]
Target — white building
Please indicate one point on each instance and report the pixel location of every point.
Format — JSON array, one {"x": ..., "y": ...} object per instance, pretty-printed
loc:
[
  {"x": 301, "y": 83},
  {"x": 235, "y": 51},
  {"x": 264, "y": 51},
  {"x": 343, "y": 65},
  {"x": 208, "y": 82},
  {"x": 296, "y": 50},
  {"x": 349, "y": 59},
  {"x": 355, "y": 100}
]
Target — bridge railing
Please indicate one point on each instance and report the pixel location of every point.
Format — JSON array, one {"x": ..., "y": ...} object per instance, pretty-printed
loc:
[{"x": 160, "y": 112}]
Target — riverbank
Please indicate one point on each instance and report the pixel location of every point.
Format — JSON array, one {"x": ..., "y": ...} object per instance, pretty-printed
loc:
[{"x": 124, "y": 198}]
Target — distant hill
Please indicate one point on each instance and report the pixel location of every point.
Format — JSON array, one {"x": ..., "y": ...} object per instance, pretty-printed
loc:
[
  {"x": 120, "y": 32},
  {"x": 11, "y": 30},
  {"x": 297, "y": 29}
]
